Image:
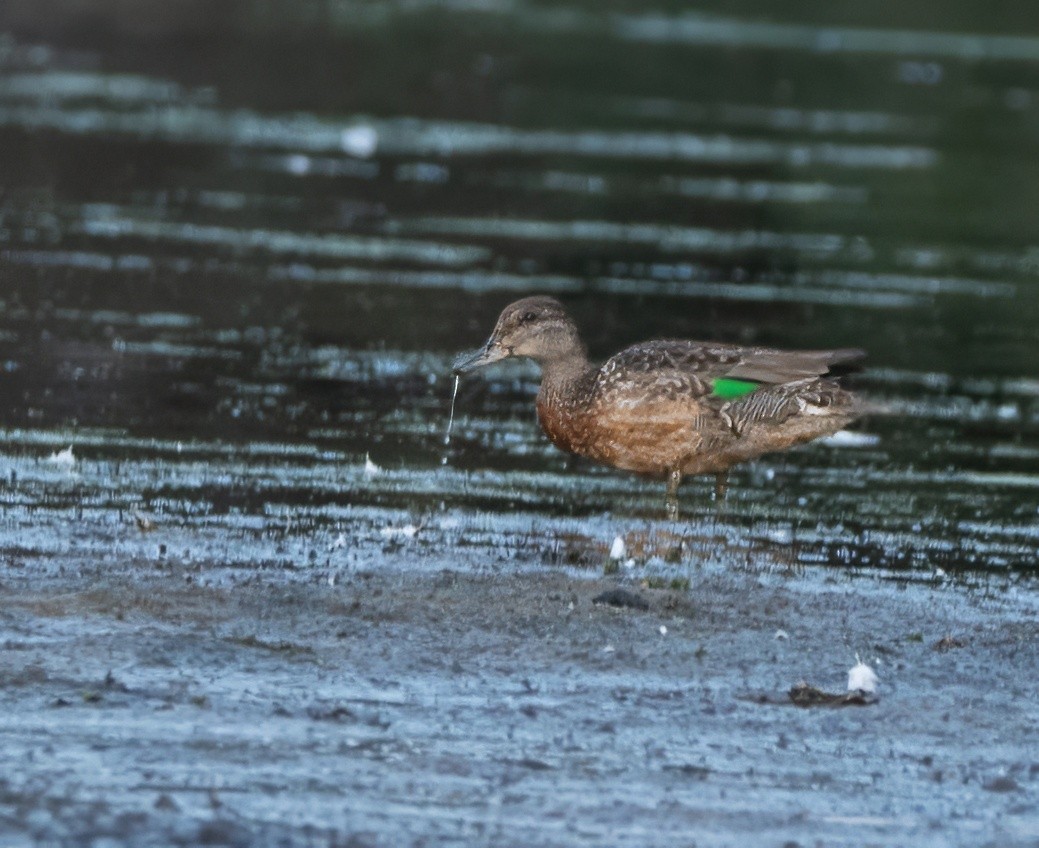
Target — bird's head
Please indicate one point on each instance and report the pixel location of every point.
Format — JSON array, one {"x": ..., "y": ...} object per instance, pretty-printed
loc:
[{"x": 536, "y": 327}]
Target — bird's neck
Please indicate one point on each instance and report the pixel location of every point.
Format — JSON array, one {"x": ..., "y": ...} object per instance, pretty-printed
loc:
[{"x": 561, "y": 375}]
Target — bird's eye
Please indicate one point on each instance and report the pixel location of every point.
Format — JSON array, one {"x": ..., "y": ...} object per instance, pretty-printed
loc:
[{"x": 527, "y": 317}]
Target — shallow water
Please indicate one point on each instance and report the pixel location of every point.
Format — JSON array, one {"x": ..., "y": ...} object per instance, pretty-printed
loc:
[{"x": 239, "y": 251}]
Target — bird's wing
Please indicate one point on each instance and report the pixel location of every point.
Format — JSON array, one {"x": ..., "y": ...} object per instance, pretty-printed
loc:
[
  {"x": 642, "y": 377},
  {"x": 777, "y": 404},
  {"x": 711, "y": 361}
]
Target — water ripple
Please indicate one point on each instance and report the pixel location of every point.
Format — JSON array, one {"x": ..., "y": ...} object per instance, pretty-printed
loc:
[
  {"x": 328, "y": 245},
  {"x": 693, "y": 28},
  {"x": 406, "y": 136}
]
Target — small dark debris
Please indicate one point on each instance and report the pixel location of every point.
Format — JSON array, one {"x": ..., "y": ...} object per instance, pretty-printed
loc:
[
  {"x": 252, "y": 641},
  {"x": 340, "y": 713},
  {"x": 1001, "y": 784},
  {"x": 663, "y": 695},
  {"x": 165, "y": 802},
  {"x": 622, "y": 599},
  {"x": 803, "y": 695},
  {"x": 113, "y": 684},
  {"x": 337, "y": 713},
  {"x": 947, "y": 643},
  {"x": 530, "y": 763},
  {"x": 689, "y": 770}
]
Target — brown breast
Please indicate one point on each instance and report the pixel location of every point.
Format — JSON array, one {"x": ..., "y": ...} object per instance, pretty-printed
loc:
[
  {"x": 566, "y": 430},
  {"x": 632, "y": 440}
]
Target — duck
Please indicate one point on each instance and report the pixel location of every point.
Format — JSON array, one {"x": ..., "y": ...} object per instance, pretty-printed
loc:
[{"x": 670, "y": 408}]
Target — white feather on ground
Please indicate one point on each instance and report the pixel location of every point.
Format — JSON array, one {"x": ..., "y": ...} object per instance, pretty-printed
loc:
[{"x": 862, "y": 678}]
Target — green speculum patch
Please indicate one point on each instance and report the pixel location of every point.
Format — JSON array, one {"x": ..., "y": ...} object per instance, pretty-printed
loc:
[{"x": 726, "y": 388}]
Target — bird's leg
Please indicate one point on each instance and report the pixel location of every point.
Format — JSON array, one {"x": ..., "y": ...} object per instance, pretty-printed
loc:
[
  {"x": 721, "y": 485},
  {"x": 674, "y": 480}
]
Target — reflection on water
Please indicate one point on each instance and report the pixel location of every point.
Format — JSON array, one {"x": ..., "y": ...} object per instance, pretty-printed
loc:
[{"x": 226, "y": 300}]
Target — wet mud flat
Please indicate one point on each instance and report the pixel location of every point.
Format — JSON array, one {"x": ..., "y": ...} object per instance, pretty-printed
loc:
[{"x": 162, "y": 702}]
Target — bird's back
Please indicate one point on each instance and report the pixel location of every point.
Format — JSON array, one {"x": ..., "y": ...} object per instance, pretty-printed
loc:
[{"x": 713, "y": 360}]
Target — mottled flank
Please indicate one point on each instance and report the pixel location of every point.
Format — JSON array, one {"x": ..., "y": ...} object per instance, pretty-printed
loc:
[{"x": 669, "y": 408}]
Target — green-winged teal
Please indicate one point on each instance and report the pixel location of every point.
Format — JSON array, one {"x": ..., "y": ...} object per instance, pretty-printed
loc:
[{"x": 669, "y": 409}]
